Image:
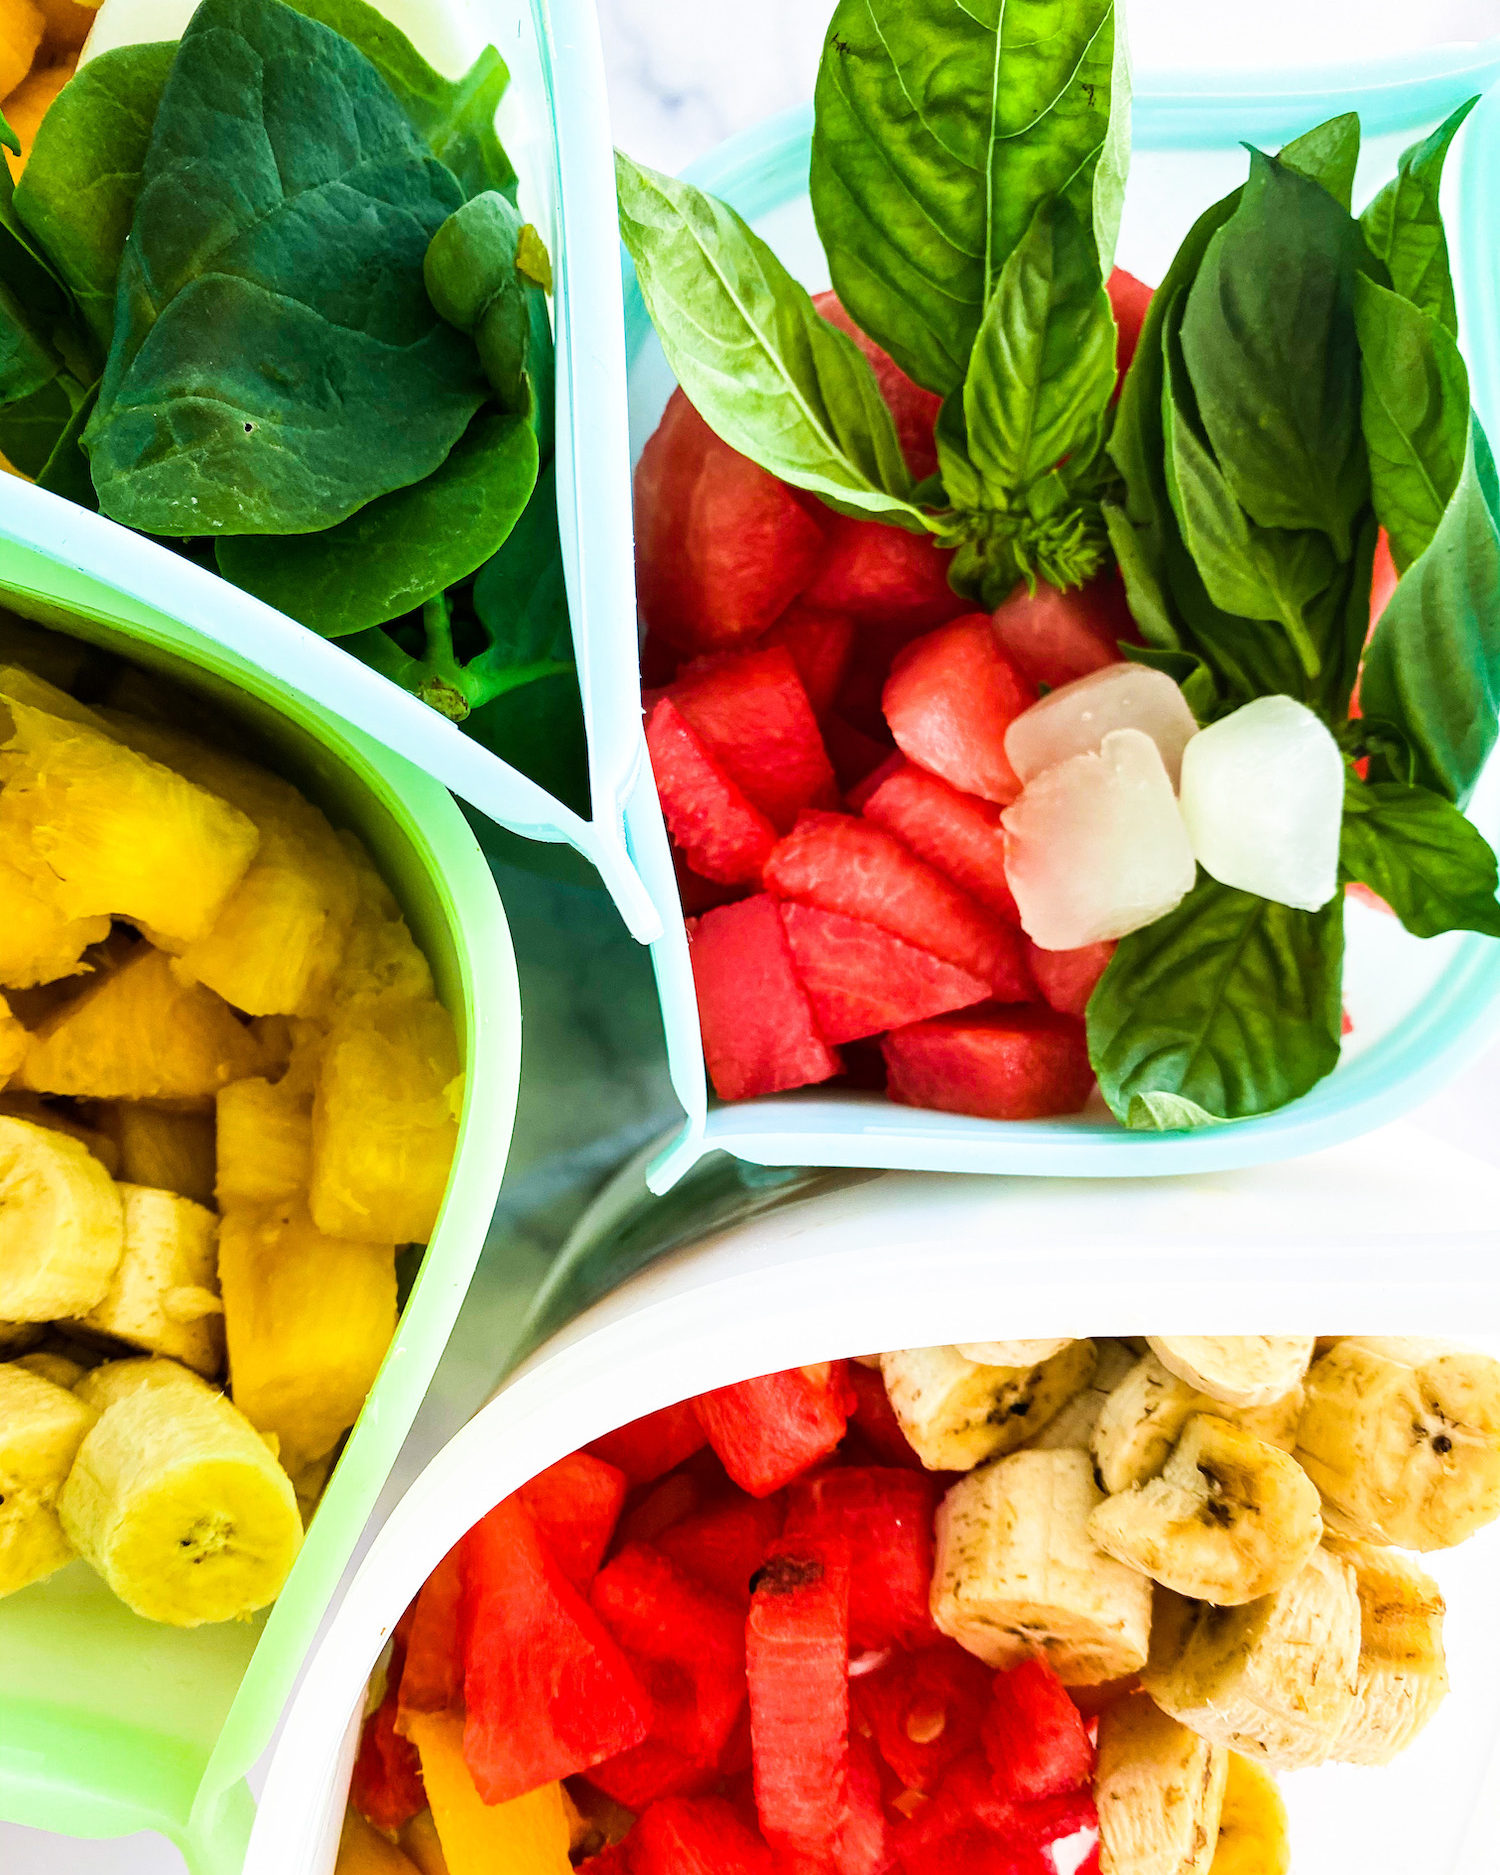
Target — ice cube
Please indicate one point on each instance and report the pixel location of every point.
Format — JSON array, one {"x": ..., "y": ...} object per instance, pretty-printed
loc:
[
  {"x": 1263, "y": 799},
  {"x": 1095, "y": 847},
  {"x": 1075, "y": 718}
]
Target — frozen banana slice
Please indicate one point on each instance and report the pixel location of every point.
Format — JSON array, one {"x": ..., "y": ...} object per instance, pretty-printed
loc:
[
  {"x": 1403, "y": 1673},
  {"x": 61, "y": 1228},
  {"x": 1145, "y": 1413},
  {"x": 163, "y": 1297},
  {"x": 1159, "y": 1789},
  {"x": 1236, "y": 1370},
  {"x": 1229, "y": 1520},
  {"x": 1402, "y": 1437},
  {"x": 176, "y": 1500},
  {"x": 1254, "y": 1837},
  {"x": 41, "y": 1427},
  {"x": 1073, "y": 1428},
  {"x": 1012, "y": 1353},
  {"x": 1274, "y": 1679},
  {"x": 1018, "y": 1574},
  {"x": 956, "y": 1412}
]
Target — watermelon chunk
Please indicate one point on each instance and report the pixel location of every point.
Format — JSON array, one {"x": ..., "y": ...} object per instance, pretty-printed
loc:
[
  {"x": 654, "y": 1444},
  {"x": 759, "y": 1032},
  {"x": 914, "y": 409},
  {"x": 723, "y": 836},
  {"x": 924, "y": 1710},
  {"x": 1067, "y": 978},
  {"x": 997, "y": 1064},
  {"x": 1034, "y": 1736},
  {"x": 949, "y": 700},
  {"x": 768, "y": 1431},
  {"x": 698, "y": 1836},
  {"x": 958, "y": 834},
  {"x": 724, "y": 1543},
  {"x": 819, "y": 643},
  {"x": 697, "y": 894},
  {"x": 837, "y": 863},
  {"x": 1054, "y": 637},
  {"x": 862, "y": 981},
  {"x": 967, "y": 1801},
  {"x": 880, "y": 575},
  {"x": 885, "y": 1517},
  {"x": 753, "y": 716},
  {"x": 860, "y": 1847},
  {"x": 722, "y": 548},
  {"x": 1129, "y": 298},
  {"x": 666, "y": 1503},
  {"x": 874, "y": 1418},
  {"x": 432, "y": 1678},
  {"x": 575, "y": 1505},
  {"x": 386, "y": 1787},
  {"x": 854, "y": 753},
  {"x": 547, "y": 1690},
  {"x": 1383, "y": 577}
]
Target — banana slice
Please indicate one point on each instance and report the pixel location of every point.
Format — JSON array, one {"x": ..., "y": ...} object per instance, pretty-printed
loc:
[
  {"x": 1012, "y": 1353},
  {"x": 163, "y": 1296},
  {"x": 1254, "y": 1836},
  {"x": 1403, "y": 1674},
  {"x": 1236, "y": 1370},
  {"x": 1274, "y": 1679},
  {"x": 1073, "y": 1428},
  {"x": 61, "y": 1229},
  {"x": 1016, "y": 1572},
  {"x": 1229, "y": 1520},
  {"x": 61, "y": 1369},
  {"x": 1402, "y": 1437},
  {"x": 41, "y": 1427},
  {"x": 176, "y": 1501},
  {"x": 1159, "y": 1789},
  {"x": 1145, "y": 1414},
  {"x": 956, "y": 1412}
]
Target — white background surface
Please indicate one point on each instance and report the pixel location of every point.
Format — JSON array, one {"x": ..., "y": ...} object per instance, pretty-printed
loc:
[{"x": 685, "y": 74}]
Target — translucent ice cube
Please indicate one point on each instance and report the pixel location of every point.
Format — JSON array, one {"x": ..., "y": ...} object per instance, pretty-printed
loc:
[
  {"x": 1095, "y": 847},
  {"x": 1075, "y": 718},
  {"x": 1263, "y": 799}
]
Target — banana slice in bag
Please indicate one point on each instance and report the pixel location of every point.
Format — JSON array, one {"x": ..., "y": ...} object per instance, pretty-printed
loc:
[
  {"x": 1254, "y": 1835},
  {"x": 1147, "y": 1409},
  {"x": 1073, "y": 1427},
  {"x": 1159, "y": 1789},
  {"x": 956, "y": 1412},
  {"x": 1403, "y": 1672},
  {"x": 1236, "y": 1370},
  {"x": 61, "y": 1227}
]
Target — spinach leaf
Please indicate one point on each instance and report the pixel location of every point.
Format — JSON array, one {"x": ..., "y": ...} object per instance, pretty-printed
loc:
[
  {"x": 1415, "y": 413},
  {"x": 475, "y": 279},
  {"x": 1431, "y": 866},
  {"x": 940, "y": 126},
  {"x": 1231, "y": 1002},
  {"x": 276, "y": 362},
  {"x": 66, "y": 470},
  {"x": 27, "y": 360},
  {"x": 763, "y": 368},
  {"x": 1404, "y": 224},
  {"x": 521, "y": 600},
  {"x": 1327, "y": 155},
  {"x": 398, "y": 552},
  {"x": 8, "y": 137},
  {"x": 32, "y": 425}
]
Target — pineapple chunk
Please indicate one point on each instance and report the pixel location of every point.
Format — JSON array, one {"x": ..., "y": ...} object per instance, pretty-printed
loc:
[
  {"x": 170, "y": 1151},
  {"x": 13, "y": 1043},
  {"x": 308, "y": 1319},
  {"x": 162, "y": 1299},
  {"x": 15, "y": 1337},
  {"x": 21, "y": 29},
  {"x": 61, "y": 1369},
  {"x": 19, "y": 1105},
  {"x": 103, "y": 829},
  {"x": 39, "y": 942},
  {"x": 385, "y": 1122},
  {"x": 19, "y": 685},
  {"x": 380, "y": 958},
  {"x": 264, "y": 1143},
  {"x": 140, "y": 1034}
]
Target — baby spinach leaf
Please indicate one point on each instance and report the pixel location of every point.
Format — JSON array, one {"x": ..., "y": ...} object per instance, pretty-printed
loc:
[
  {"x": 1231, "y": 1002},
  {"x": 27, "y": 360},
  {"x": 276, "y": 362},
  {"x": 66, "y": 470},
  {"x": 940, "y": 126},
  {"x": 774, "y": 378},
  {"x": 1327, "y": 155},
  {"x": 1404, "y": 224},
  {"x": 32, "y": 425},
  {"x": 1432, "y": 867},
  {"x": 8, "y": 137},
  {"x": 474, "y": 278},
  {"x": 521, "y": 601}
]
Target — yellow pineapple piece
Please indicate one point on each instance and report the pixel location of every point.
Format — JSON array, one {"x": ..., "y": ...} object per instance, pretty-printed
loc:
[
  {"x": 163, "y": 1297},
  {"x": 107, "y": 830},
  {"x": 385, "y": 1121},
  {"x": 38, "y": 941},
  {"x": 18, "y": 684},
  {"x": 158, "y": 1147},
  {"x": 308, "y": 1319},
  {"x": 68, "y": 26},
  {"x": 21, "y": 29},
  {"x": 380, "y": 957},
  {"x": 17, "y": 1104},
  {"x": 264, "y": 1143},
  {"x": 61, "y": 1369},
  {"x": 140, "y": 1034},
  {"x": 27, "y": 105},
  {"x": 13, "y": 1043}
]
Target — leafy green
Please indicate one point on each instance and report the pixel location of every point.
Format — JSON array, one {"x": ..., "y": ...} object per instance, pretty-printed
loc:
[
  {"x": 32, "y": 425},
  {"x": 1328, "y": 155},
  {"x": 1431, "y": 866},
  {"x": 474, "y": 278},
  {"x": 8, "y": 137},
  {"x": 1404, "y": 224},
  {"x": 1166, "y": 1113}
]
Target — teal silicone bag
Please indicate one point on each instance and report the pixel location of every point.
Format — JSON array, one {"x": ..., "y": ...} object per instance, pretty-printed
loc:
[{"x": 1421, "y": 1009}]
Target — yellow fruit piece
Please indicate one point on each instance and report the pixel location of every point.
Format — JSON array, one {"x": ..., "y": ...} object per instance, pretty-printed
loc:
[
  {"x": 14, "y": 1042},
  {"x": 157, "y": 1147},
  {"x": 364, "y": 1851},
  {"x": 39, "y": 942},
  {"x": 308, "y": 1319},
  {"x": 264, "y": 1143},
  {"x": 15, "y": 1337},
  {"x": 385, "y": 1121},
  {"x": 20, "y": 1105},
  {"x": 41, "y": 1428},
  {"x": 163, "y": 1297},
  {"x": 419, "y": 1839},
  {"x": 28, "y": 104},
  {"x": 61, "y": 1227},
  {"x": 18, "y": 684},
  {"x": 108, "y": 830},
  {"x": 381, "y": 958},
  {"x": 140, "y": 1034},
  {"x": 1254, "y": 1836},
  {"x": 61, "y": 1369},
  {"x": 21, "y": 29},
  {"x": 68, "y": 25},
  {"x": 527, "y": 1836}
]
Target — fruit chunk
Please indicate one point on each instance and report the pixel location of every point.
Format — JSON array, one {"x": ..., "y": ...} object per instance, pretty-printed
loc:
[
  {"x": 884, "y": 1516},
  {"x": 861, "y": 980},
  {"x": 754, "y": 718},
  {"x": 722, "y": 835},
  {"x": 380, "y": 957},
  {"x": 769, "y": 1430},
  {"x": 1402, "y": 1676},
  {"x": 21, "y": 28},
  {"x": 759, "y": 1032},
  {"x": 1067, "y": 979},
  {"x": 41, "y": 1428},
  {"x": 1238, "y": 1370},
  {"x": 1160, "y": 1790},
  {"x": 694, "y": 1836},
  {"x": 725, "y": 1542},
  {"x": 1129, "y": 300},
  {"x": 575, "y": 1505},
  {"x": 950, "y": 698},
  {"x": 386, "y": 1785},
  {"x": 957, "y": 1412},
  {"x": 264, "y": 1141},
  {"x": 28, "y": 104},
  {"x": 924, "y": 1710},
  {"x": 881, "y": 575},
  {"x": 1075, "y": 718},
  {"x": 61, "y": 1227},
  {"x": 38, "y": 941},
  {"x": 819, "y": 644},
  {"x": 1254, "y": 1837},
  {"x": 526, "y": 1836},
  {"x": 647, "y": 1447},
  {"x": 914, "y": 409},
  {"x": 163, "y": 1296},
  {"x": 995, "y": 1063},
  {"x": 364, "y": 1851},
  {"x": 432, "y": 1672},
  {"x": 1034, "y": 1736},
  {"x": 166, "y": 1150},
  {"x": 959, "y": 835},
  {"x": 1146, "y": 1410}
]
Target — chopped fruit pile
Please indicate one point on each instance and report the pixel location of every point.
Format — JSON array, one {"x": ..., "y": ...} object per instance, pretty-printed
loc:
[
  {"x": 228, "y": 1095},
  {"x": 1023, "y": 1608}
]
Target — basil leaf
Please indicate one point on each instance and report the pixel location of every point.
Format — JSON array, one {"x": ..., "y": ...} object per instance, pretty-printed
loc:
[
  {"x": 1415, "y": 413},
  {"x": 1166, "y": 1113},
  {"x": 760, "y": 364},
  {"x": 1231, "y": 1002},
  {"x": 940, "y": 127},
  {"x": 1404, "y": 224},
  {"x": 276, "y": 362},
  {"x": 1328, "y": 156},
  {"x": 1433, "y": 666},
  {"x": 1433, "y": 868}
]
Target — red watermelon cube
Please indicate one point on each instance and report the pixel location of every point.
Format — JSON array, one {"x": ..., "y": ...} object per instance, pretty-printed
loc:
[
  {"x": 1034, "y": 1736},
  {"x": 914, "y": 409},
  {"x": 386, "y": 1787},
  {"x": 958, "y": 834},
  {"x": 949, "y": 700},
  {"x": 924, "y": 1710},
  {"x": 860, "y": 1846},
  {"x": 753, "y": 716},
  {"x": 575, "y": 1505},
  {"x": 854, "y": 753},
  {"x": 769, "y": 1430},
  {"x": 759, "y": 1032},
  {"x": 1052, "y": 637},
  {"x": 432, "y": 1678},
  {"x": 885, "y": 1517},
  {"x": 1067, "y": 978},
  {"x": 725, "y": 1542},
  {"x": 723, "y": 835},
  {"x": 879, "y": 575},
  {"x": 654, "y": 1444},
  {"x": 862, "y": 981},
  {"x": 996, "y": 1063},
  {"x": 1130, "y": 299},
  {"x": 695, "y": 1836},
  {"x": 874, "y": 1419},
  {"x": 820, "y": 644},
  {"x": 968, "y": 1801}
]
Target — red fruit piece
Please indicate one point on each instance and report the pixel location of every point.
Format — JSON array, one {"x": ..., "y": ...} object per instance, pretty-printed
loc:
[
  {"x": 819, "y": 643},
  {"x": 924, "y": 1710},
  {"x": 796, "y": 1651},
  {"x": 1052, "y": 637},
  {"x": 949, "y": 700},
  {"x": 769, "y": 1430},
  {"x": 958, "y": 834},
  {"x": 575, "y": 1505},
  {"x": 753, "y": 716},
  {"x": 759, "y": 1032},
  {"x": 997, "y": 1064},
  {"x": 695, "y": 1836},
  {"x": 880, "y": 575},
  {"x": 722, "y": 548},
  {"x": 432, "y": 1680},
  {"x": 1383, "y": 578},
  {"x": 654, "y": 1444},
  {"x": 723, "y": 836},
  {"x": 1034, "y": 1736},
  {"x": 915, "y": 410},
  {"x": 386, "y": 1787},
  {"x": 885, "y": 1517},
  {"x": 1067, "y": 978},
  {"x": 968, "y": 1801},
  {"x": 667, "y": 1503},
  {"x": 547, "y": 1690},
  {"x": 1129, "y": 298},
  {"x": 838, "y": 863},
  {"x": 875, "y": 1419},
  {"x": 698, "y": 894},
  {"x": 862, "y": 980},
  {"x": 860, "y": 1847},
  {"x": 855, "y": 755},
  {"x": 724, "y": 1543}
]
